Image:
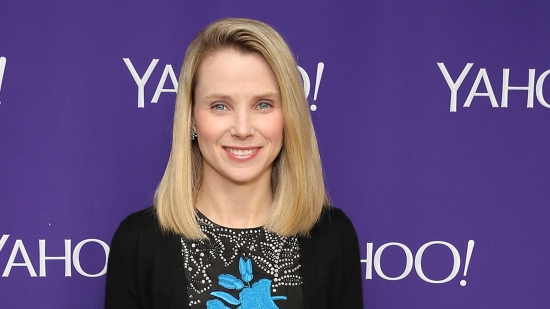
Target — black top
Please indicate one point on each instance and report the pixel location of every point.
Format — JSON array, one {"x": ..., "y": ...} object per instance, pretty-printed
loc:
[
  {"x": 145, "y": 268},
  {"x": 248, "y": 268}
]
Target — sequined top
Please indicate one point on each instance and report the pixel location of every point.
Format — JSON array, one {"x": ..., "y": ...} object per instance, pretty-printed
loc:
[{"x": 245, "y": 268}]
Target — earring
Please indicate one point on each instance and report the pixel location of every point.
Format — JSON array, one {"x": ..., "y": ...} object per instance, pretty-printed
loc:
[{"x": 193, "y": 135}]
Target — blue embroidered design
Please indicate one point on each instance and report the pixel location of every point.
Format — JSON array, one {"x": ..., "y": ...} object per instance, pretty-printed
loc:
[{"x": 257, "y": 296}]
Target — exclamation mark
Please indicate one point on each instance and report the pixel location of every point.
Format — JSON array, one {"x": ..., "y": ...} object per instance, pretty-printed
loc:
[
  {"x": 2, "y": 67},
  {"x": 471, "y": 244},
  {"x": 320, "y": 68}
]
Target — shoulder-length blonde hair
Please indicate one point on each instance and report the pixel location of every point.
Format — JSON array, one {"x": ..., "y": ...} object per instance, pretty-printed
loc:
[{"x": 297, "y": 177}]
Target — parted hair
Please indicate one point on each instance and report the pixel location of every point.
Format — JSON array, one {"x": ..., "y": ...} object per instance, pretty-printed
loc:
[{"x": 297, "y": 179}]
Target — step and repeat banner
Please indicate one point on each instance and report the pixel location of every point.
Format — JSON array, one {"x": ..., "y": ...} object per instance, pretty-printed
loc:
[{"x": 433, "y": 119}]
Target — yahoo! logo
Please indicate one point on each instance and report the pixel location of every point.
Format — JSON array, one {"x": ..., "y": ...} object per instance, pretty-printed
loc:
[
  {"x": 416, "y": 260},
  {"x": 532, "y": 88},
  {"x": 307, "y": 83},
  {"x": 2, "y": 70},
  {"x": 71, "y": 257},
  {"x": 141, "y": 81}
]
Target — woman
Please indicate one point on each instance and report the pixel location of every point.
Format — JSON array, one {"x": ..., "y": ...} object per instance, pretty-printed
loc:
[{"x": 241, "y": 217}]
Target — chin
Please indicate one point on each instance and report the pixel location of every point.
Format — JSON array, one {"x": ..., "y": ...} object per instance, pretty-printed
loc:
[{"x": 245, "y": 178}]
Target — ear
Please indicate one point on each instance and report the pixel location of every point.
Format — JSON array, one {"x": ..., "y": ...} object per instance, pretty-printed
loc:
[{"x": 193, "y": 126}]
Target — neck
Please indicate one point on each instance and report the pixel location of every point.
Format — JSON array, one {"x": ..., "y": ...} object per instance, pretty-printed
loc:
[{"x": 235, "y": 205}]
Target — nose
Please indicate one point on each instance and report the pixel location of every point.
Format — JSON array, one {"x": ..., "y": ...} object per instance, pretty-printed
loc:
[{"x": 242, "y": 127}]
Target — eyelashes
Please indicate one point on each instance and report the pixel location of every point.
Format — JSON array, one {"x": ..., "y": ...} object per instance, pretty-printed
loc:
[{"x": 262, "y": 106}]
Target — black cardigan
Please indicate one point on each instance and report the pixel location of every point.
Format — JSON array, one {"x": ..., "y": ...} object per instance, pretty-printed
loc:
[{"x": 145, "y": 268}]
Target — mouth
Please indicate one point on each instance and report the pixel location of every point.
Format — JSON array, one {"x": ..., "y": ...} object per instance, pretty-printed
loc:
[{"x": 242, "y": 153}]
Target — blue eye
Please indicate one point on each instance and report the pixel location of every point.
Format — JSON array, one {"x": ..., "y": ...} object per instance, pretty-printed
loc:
[
  {"x": 263, "y": 105},
  {"x": 219, "y": 107}
]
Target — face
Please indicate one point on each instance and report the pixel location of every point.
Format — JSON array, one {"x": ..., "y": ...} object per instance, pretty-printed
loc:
[{"x": 238, "y": 117}]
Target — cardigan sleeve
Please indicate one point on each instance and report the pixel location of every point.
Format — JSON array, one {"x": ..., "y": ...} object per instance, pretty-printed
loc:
[
  {"x": 122, "y": 274},
  {"x": 352, "y": 290},
  {"x": 331, "y": 264},
  {"x": 145, "y": 268}
]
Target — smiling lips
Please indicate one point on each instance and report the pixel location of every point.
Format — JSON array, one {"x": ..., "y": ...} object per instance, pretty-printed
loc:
[{"x": 242, "y": 153}]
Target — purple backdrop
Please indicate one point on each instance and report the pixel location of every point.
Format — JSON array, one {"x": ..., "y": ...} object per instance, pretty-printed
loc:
[{"x": 443, "y": 173}]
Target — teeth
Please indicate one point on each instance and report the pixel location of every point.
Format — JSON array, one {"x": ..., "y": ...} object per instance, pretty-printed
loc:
[{"x": 240, "y": 152}]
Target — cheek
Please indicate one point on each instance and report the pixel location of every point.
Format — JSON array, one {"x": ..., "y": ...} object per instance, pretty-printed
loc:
[
  {"x": 208, "y": 135},
  {"x": 205, "y": 125},
  {"x": 207, "y": 130},
  {"x": 276, "y": 130}
]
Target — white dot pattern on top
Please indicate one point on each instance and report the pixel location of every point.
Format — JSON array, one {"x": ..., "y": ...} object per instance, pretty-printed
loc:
[{"x": 274, "y": 257}]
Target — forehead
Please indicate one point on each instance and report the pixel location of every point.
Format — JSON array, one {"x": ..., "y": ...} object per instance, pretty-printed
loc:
[{"x": 231, "y": 68}]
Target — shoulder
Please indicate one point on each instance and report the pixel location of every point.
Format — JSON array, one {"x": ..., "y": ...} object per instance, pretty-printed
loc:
[
  {"x": 333, "y": 229},
  {"x": 334, "y": 220},
  {"x": 140, "y": 229},
  {"x": 139, "y": 244},
  {"x": 334, "y": 215},
  {"x": 145, "y": 219}
]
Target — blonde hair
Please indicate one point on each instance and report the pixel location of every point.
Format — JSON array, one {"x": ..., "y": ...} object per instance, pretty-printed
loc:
[{"x": 297, "y": 176}]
